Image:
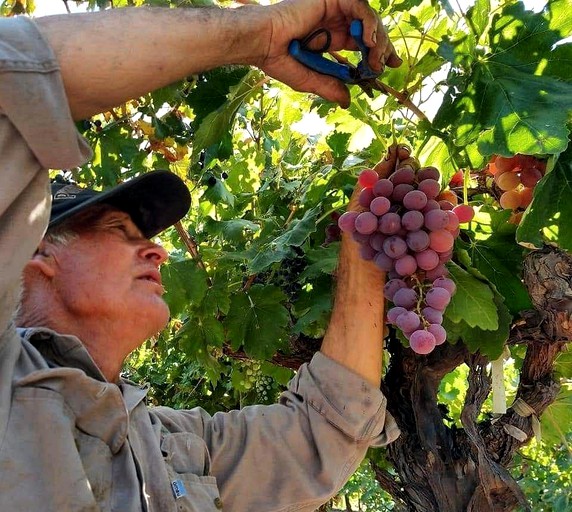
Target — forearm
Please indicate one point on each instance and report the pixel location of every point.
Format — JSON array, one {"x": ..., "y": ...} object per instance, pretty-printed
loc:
[
  {"x": 109, "y": 57},
  {"x": 355, "y": 334}
]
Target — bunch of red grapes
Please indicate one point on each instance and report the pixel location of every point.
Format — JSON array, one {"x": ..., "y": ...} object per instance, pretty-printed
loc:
[
  {"x": 409, "y": 232},
  {"x": 516, "y": 177}
]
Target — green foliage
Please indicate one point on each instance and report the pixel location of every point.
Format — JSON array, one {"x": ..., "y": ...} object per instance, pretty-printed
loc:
[{"x": 546, "y": 219}]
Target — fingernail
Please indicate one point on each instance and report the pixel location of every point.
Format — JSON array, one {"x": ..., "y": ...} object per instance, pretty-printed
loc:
[{"x": 374, "y": 36}]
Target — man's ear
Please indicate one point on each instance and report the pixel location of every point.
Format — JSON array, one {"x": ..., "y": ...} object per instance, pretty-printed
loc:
[{"x": 43, "y": 260}]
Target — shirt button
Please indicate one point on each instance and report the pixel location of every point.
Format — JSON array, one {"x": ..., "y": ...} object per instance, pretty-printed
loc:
[{"x": 218, "y": 503}]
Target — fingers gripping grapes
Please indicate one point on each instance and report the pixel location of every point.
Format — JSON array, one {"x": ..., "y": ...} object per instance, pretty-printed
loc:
[{"x": 402, "y": 222}]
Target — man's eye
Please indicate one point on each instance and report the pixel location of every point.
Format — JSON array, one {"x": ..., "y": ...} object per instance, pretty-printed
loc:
[{"x": 121, "y": 227}]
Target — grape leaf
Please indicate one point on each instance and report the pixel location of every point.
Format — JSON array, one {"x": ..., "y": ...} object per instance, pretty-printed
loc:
[
  {"x": 313, "y": 307},
  {"x": 322, "y": 261},
  {"x": 563, "y": 364},
  {"x": 490, "y": 343},
  {"x": 219, "y": 122},
  {"x": 548, "y": 216},
  {"x": 257, "y": 321},
  {"x": 185, "y": 283},
  {"x": 557, "y": 417},
  {"x": 196, "y": 337},
  {"x": 508, "y": 102},
  {"x": 278, "y": 248},
  {"x": 500, "y": 262},
  {"x": 217, "y": 297},
  {"x": 278, "y": 373},
  {"x": 479, "y": 15},
  {"x": 218, "y": 193},
  {"x": 473, "y": 302},
  {"x": 211, "y": 90},
  {"x": 233, "y": 230}
]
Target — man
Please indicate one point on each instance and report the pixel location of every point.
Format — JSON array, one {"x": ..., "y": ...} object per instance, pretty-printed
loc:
[{"x": 73, "y": 436}]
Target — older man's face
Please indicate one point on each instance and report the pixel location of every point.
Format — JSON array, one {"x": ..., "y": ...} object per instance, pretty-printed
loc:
[{"x": 111, "y": 273}]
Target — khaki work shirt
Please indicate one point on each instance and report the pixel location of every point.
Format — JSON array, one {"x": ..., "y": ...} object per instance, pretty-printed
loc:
[{"x": 71, "y": 441}]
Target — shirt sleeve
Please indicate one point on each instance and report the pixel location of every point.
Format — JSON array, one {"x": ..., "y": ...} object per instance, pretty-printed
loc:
[
  {"x": 297, "y": 454},
  {"x": 36, "y": 133}
]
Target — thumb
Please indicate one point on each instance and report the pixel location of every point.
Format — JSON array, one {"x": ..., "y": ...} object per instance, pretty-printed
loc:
[{"x": 395, "y": 153}]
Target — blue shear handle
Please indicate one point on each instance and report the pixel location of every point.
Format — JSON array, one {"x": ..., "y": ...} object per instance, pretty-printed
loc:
[
  {"x": 318, "y": 63},
  {"x": 356, "y": 31}
]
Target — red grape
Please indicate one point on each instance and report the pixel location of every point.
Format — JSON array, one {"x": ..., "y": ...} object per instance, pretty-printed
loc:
[
  {"x": 431, "y": 205},
  {"x": 367, "y": 252},
  {"x": 436, "y": 219},
  {"x": 432, "y": 315},
  {"x": 367, "y": 178},
  {"x": 428, "y": 173},
  {"x": 415, "y": 200},
  {"x": 365, "y": 197},
  {"x": 439, "y": 271},
  {"x": 417, "y": 240},
  {"x": 383, "y": 187},
  {"x": 530, "y": 176},
  {"x": 404, "y": 175},
  {"x": 380, "y": 205},
  {"x": 405, "y": 297},
  {"x": 366, "y": 223},
  {"x": 408, "y": 322},
  {"x": 394, "y": 312},
  {"x": 427, "y": 259},
  {"x": 422, "y": 342},
  {"x": 383, "y": 261},
  {"x": 392, "y": 286},
  {"x": 464, "y": 212},
  {"x": 400, "y": 191},
  {"x": 390, "y": 223},
  {"x": 446, "y": 205},
  {"x": 441, "y": 240},
  {"x": 430, "y": 188},
  {"x": 438, "y": 298},
  {"x": 439, "y": 332},
  {"x": 412, "y": 220},
  {"x": 453, "y": 221},
  {"x": 406, "y": 265},
  {"x": 376, "y": 241},
  {"x": 346, "y": 222},
  {"x": 448, "y": 284},
  {"x": 394, "y": 247}
]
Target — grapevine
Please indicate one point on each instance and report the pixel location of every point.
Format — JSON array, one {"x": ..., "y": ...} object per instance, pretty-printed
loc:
[{"x": 407, "y": 227}]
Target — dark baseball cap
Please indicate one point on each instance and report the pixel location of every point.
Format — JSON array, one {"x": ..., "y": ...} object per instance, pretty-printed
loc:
[{"x": 154, "y": 201}]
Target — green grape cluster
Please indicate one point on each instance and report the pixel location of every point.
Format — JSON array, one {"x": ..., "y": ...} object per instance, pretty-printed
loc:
[
  {"x": 251, "y": 371},
  {"x": 264, "y": 387}
]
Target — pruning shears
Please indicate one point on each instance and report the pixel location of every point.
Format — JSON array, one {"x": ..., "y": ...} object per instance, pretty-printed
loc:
[{"x": 361, "y": 74}]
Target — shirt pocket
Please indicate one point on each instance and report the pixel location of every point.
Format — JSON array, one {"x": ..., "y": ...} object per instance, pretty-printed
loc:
[{"x": 188, "y": 465}]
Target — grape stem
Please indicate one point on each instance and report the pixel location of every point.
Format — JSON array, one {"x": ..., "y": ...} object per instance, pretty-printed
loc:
[
  {"x": 402, "y": 98},
  {"x": 192, "y": 247}
]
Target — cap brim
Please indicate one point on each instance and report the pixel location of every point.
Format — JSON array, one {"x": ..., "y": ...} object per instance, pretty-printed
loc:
[{"x": 154, "y": 201}]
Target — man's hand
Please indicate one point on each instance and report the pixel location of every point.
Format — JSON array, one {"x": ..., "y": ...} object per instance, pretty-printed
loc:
[{"x": 295, "y": 19}]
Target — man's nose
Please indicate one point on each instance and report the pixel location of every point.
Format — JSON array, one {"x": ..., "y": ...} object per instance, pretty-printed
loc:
[{"x": 155, "y": 253}]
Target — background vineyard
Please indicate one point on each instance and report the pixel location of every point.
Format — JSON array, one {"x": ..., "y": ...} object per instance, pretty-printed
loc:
[{"x": 251, "y": 271}]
